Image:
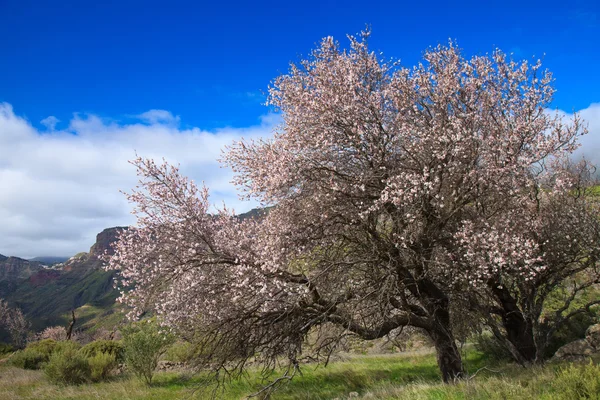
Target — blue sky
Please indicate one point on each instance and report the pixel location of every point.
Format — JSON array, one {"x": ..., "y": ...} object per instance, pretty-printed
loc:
[
  {"x": 83, "y": 85},
  {"x": 208, "y": 62}
]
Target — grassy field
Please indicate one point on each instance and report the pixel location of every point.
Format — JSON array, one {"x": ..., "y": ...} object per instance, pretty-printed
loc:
[{"x": 399, "y": 376}]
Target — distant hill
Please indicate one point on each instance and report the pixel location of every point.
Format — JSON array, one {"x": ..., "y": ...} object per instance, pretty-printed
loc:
[
  {"x": 255, "y": 213},
  {"x": 47, "y": 295},
  {"x": 49, "y": 260},
  {"x": 13, "y": 270}
]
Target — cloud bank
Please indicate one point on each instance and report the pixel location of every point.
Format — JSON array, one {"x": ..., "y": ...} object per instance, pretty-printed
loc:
[
  {"x": 59, "y": 188},
  {"x": 590, "y": 143}
]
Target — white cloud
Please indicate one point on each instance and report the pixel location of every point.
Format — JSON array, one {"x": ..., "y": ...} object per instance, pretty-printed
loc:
[
  {"x": 50, "y": 122},
  {"x": 590, "y": 143},
  {"x": 158, "y": 116},
  {"x": 60, "y": 188}
]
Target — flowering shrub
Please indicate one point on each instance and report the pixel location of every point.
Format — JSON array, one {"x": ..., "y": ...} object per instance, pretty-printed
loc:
[{"x": 54, "y": 332}]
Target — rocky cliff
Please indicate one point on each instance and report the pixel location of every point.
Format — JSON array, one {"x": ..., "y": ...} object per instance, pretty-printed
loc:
[
  {"x": 14, "y": 268},
  {"x": 104, "y": 240}
]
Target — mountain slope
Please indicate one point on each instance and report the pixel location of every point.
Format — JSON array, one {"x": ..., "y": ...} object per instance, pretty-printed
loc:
[
  {"x": 13, "y": 270},
  {"x": 46, "y": 296}
]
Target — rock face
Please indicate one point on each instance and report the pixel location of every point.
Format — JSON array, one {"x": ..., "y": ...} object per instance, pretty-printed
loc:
[
  {"x": 104, "y": 240},
  {"x": 574, "y": 351},
  {"x": 14, "y": 268},
  {"x": 582, "y": 348},
  {"x": 44, "y": 276},
  {"x": 592, "y": 335},
  {"x": 13, "y": 271}
]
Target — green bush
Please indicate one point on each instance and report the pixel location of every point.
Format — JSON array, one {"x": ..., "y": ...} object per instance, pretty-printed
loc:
[
  {"x": 6, "y": 348},
  {"x": 489, "y": 345},
  {"x": 68, "y": 366},
  {"x": 65, "y": 345},
  {"x": 102, "y": 365},
  {"x": 45, "y": 347},
  {"x": 181, "y": 352},
  {"x": 28, "y": 359},
  {"x": 111, "y": 347},
  {"x": 578, "y": 382},
  {"x": 34, "y": 355},
  {"x": 144, "y": 343}
]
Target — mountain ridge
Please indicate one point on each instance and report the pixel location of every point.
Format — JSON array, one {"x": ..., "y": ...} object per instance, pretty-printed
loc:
[{"x": 47, "y": 294}]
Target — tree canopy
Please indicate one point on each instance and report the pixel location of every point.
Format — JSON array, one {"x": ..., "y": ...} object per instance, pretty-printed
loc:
[{"x": 397, "y": 193}]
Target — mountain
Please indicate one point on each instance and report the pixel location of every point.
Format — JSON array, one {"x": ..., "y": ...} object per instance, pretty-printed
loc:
[
  {"x": 46, "y": 295},
  {"x": 13, "y": 270}
]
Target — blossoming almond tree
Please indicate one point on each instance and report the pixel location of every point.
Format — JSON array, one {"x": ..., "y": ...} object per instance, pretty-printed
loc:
[
  {"x": 544, "y": 247},
  {"x": 13, "y": 320},
  {"x": 378, "y": 176}
]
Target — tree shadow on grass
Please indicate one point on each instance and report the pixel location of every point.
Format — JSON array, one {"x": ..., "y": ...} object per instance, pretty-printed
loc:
[
  {"x": 340, "y": 380},
  {"x": 173, "y": 380},
  {"x": 337, "y": 379},
  {"x": 323, "y": 384}
]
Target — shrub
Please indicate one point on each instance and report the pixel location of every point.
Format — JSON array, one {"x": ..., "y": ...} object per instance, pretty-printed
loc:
[
  {"x": 6, "y": 348},
  {"x": 34, "y": 355},
  {"x": 111, "y": 347},
  {"x": 68, "y": 366},
  {"x": 101, "y": 365},
  {"x": 578, "y": 382},
  {"x": 144, "y": 343},
  {"x": 28, "y": 359},
  {"x": 45, "y": 347},
  {"x": 181, "y": 352}
]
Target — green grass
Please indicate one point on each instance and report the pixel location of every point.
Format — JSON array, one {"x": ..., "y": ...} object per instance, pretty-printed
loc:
[
  {"x": 595, "y": 190},
  {"x": 398, "y": 376},
  {"x": 91, "y": 318}
]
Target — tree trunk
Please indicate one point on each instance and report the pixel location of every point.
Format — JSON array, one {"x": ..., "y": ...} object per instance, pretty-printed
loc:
[
  {"x": 437, "y": 304},
  {"x": 71, "y": 325},
  {"x": 518, "y": 330},
  {"x": 448, "y": 355},
  {"x": 520, "y": 334}
]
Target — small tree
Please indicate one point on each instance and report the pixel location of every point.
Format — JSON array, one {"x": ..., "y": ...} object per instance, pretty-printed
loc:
[
  {"x": 15, "y": 323},
  {"x": 379, "y": 176},
  {"x": 543, "y": 249},
  {"x": 53, "y": 332},
  {"x": 144, "y": 342}
]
